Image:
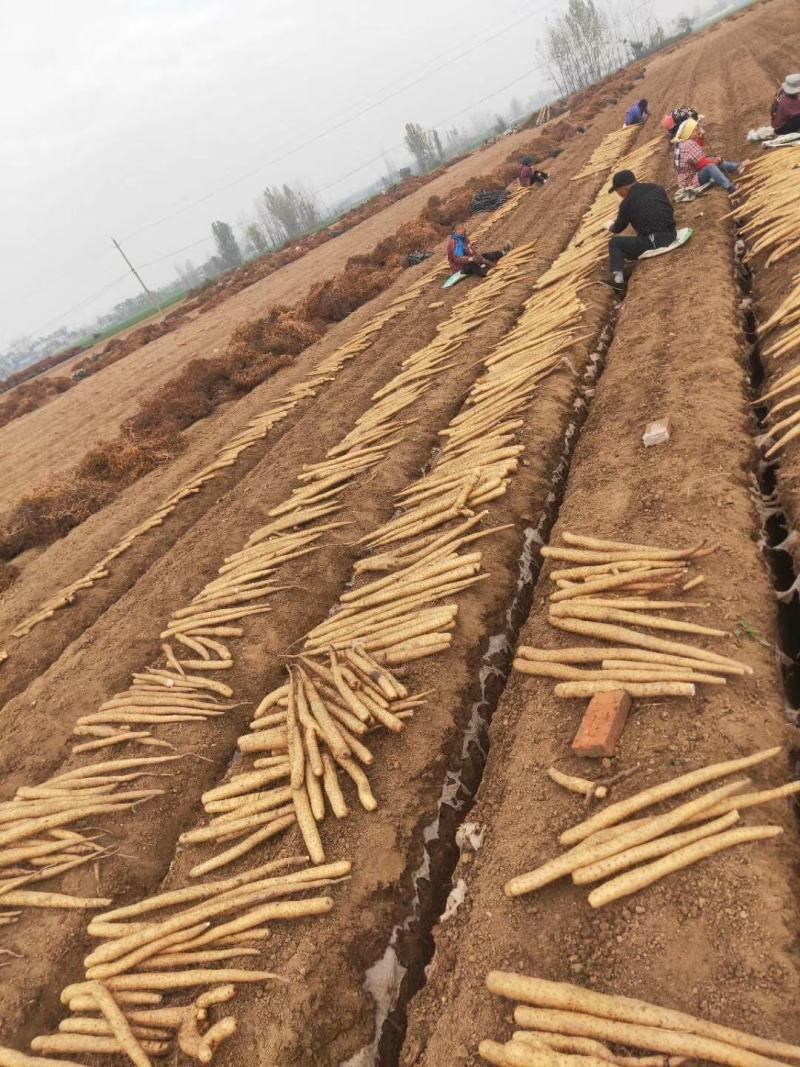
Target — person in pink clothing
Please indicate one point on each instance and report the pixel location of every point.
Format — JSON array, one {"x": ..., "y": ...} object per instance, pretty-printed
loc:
[{"x": 694, "y": 164}]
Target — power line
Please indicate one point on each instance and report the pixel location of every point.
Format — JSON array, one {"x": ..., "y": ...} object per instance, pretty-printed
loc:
[
  {"x": 80, "y": 304},
  {"x": 440, "y": 122},
  {"x": 331, "y": 129},
  {"x": 389, "y": 85},
  {"x": 373, "y": 159},
  {"x": 341, "y": 178}
]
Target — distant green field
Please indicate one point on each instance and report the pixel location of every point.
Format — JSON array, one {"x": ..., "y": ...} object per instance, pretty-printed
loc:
[{"x": 132, "y": 321}]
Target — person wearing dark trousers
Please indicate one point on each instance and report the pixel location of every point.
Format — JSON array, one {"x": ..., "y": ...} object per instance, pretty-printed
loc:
[
  {"x": 528, "y": 176},
  {"x": 647, "y": 209},
  {"x": 464, "y": 257}
]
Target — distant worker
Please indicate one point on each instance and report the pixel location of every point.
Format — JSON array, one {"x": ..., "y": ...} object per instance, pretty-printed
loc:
[
  {"x": 673, "y": 120},
  {"x": 694, "y": 165},
  {"x": 465, "y": 258},
  {"x": 528, "y": 176},
  {"x": 646, "y": 207},
  {"x": 786, "y": 106},
  {"x": 637, "y": 115}
]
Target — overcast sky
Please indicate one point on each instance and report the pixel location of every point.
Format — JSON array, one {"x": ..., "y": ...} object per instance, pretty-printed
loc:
[{"x": 148, "y": 119}]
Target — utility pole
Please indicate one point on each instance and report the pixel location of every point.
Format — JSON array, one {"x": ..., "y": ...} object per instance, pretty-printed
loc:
[{"x": 136, "y": 274}]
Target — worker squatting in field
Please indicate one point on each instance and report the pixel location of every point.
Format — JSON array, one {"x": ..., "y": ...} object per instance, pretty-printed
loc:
[
  {"x": 646, "y": 206},
  {"x": 647, "y": 209}
]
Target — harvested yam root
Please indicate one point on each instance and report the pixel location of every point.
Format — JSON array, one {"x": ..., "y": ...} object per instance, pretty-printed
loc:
[
  {"x": 255, "y": 431},
  {"x": 10, "y": 1058},
  {"x": 314, "y": 725},
  {"x": 196, "y": 638},
  {"x": 591, "y": 790},
  {"x": 566, "y": 1025},
  {"x": 163, "y": 943},
  {"x": 323, "y": 714},
  {"x": 596, "y": 599},
  {"x": 607, "y": 152},
  {"x": 37, "y": 842},
  {"x": 605, "y": 844},
  {"x": 770, "y": 218}
]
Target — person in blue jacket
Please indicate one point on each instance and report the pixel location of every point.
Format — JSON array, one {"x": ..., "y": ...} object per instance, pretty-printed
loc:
[
  {"x": 465, "y": 258},
  {"x": 637, "y": 114}
]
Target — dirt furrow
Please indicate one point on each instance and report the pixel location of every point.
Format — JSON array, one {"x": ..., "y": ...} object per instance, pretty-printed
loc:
[
  {"x": 385, "y": 847},
  {"x": 703, "y": 940},
  {"x": 71, "y": 559},
  {"x": 365, "y": 506},
  {"x": 557, "y": 393}
]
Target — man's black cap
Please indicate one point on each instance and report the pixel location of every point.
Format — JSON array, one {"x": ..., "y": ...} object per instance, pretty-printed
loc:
[{"x": 621, "y": 179}]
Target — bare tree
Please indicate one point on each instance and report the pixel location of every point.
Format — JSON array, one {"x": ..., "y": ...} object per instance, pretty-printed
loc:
[
  {"x": 188, "y": 275},
  {"x": 227, "y": 249},
  {"x": 293, "y": 211},
  {"x": 257, "y": 243},
  {"x": 269, "y": 225},
  {"x": 578, "y": 49},
  {"x": 641, "y": 21},
  {"x": 420, "y": 144}
]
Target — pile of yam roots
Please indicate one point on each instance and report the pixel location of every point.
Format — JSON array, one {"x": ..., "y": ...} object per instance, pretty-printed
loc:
[
  {"x": 41, "y": 842},
  {"x": 313, "y": 725},
  {"x": 256, "y": 430},
  {"x": 342, "y": 686},
  {"x": 625, "y": 855},
  {"x": 177, "y": 941},
  {"x": 565, "y": 1025},
  {"x": 769, "y": 221},
  {"x": 607, "y": 152},
  {"x": 608, "y": 591},
  {"x": 40, "y": 820}
]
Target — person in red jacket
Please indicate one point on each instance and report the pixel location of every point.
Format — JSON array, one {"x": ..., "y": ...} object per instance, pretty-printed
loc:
[
  {"x": 528, "y": 176},
  {"x": 464, "y": 257}
]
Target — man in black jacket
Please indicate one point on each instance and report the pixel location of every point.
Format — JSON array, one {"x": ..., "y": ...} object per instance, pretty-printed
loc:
[{"x": 647, "y": 208}]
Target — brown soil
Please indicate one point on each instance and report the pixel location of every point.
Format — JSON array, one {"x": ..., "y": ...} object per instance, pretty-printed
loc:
[
  {"x": 702, "y": 941},
  {"x": 96, "y": 408},
  {"x": 722, "y": 945}
]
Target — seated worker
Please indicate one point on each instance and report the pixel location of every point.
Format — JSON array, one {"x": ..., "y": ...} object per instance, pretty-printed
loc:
[
  {"x": 528, "y": 176},
  {"x": 646, "y": 207},
  {"x": 693, "y": 163},
  {"x": 673, "y": 120},
  {"x": 637, "y": 115},
  {"x": 786, "y": 106},
  {"x": 463, "y": 256}
]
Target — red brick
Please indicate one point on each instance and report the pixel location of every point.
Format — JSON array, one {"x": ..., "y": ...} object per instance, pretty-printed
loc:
[{"x": 602, "y": 724}]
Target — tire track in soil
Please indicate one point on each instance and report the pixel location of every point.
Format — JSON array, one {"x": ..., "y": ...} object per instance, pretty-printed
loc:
[
  {"x": 159, "y": 826},
  {"x": 779, "y": 477},
  {"x": 709, "y": 946},
  {"x": 703, "y": 940}
]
